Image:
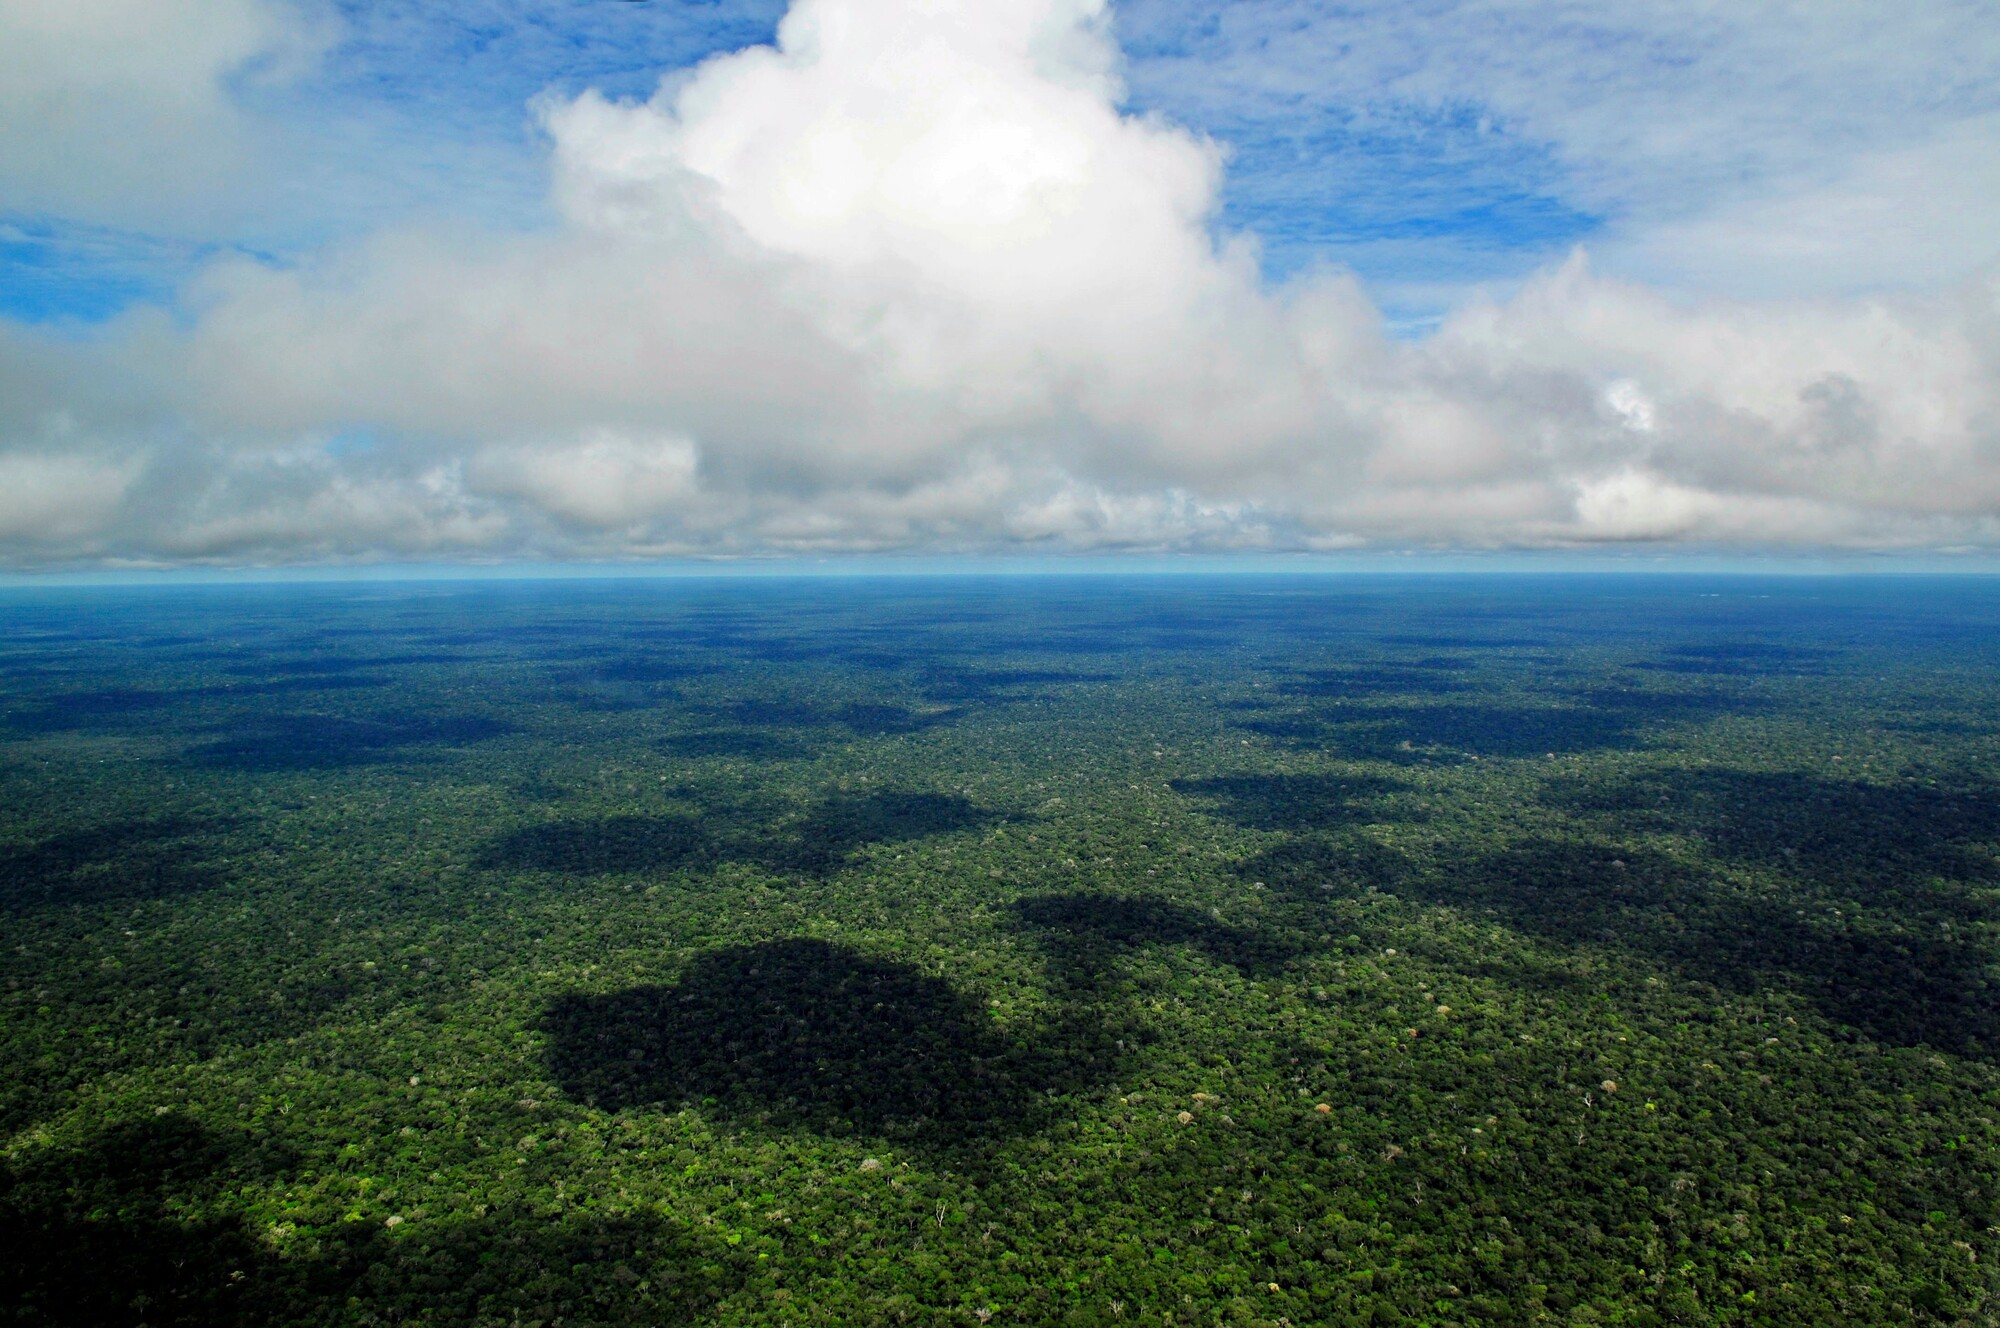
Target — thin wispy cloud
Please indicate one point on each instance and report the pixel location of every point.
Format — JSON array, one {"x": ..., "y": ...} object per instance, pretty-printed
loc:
[
  {"x": 1659, "y": 131},
  {"x": 994, "y": 275}
]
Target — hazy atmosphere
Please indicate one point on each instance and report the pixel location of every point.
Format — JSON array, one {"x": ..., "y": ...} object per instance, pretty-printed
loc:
[{"x": 369, "y": 281}]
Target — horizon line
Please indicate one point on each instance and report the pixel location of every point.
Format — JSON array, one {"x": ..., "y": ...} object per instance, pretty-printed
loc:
[{"x": 1843, "y": 565}]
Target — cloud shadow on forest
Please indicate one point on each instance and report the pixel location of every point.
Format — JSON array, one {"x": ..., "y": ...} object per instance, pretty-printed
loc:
[
  {"x": 109, "y": 707},
  {"x": 257, "y": 665},
  {"x": 1086, "y": 934},
  {"x": 1863, "y": 928},
  {"x": 100, "y": 1233},
  {"x": 1847, "y": 833},
  {"x": 1289, "y": 802},
  {"x": 1403, "y": 678},
  {"x": 1596, "y": 719},
  {"x": 282, "y": 743},
  {"x": 807, "y": 1035},
  {"x": 821, "y": 841},
  {"x": 117, "y": 860},
  {"x": 650, "y": 668},
  {"x": 1743, "y": 659},
  {"x": 1460, "y": 641},
  {"x": 744, "y": 744},
  {"x": 606, "y": 845},
  {"x": 631, "y": 682},
  {"x": 862, "y": 719},
  {"x": 815, "y": 843},
  {"x": 878, "y": 721},
  {"x": 116, "y": 708},
  {"x": 1000, "y": 686}
]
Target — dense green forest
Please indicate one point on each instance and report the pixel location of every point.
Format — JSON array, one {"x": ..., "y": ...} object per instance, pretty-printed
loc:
[{"x": 1041, "y": 951}]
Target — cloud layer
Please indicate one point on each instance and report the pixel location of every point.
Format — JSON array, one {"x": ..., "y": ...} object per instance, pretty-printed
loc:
[
  {"x": 122, "y": 110},
  {"x": 1758, "y": 149},
  {"x": 912, "y": 279}
]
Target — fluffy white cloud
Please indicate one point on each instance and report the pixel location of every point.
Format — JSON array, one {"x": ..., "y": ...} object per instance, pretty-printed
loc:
[
  {"x": 120, "y": 109},
  {"x": 604, "y": 481},
  {"x": 910, "y": 279},
  {"x": 56, "y": 497}
]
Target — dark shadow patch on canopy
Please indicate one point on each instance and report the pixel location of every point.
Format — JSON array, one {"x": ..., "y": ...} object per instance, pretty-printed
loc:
[
  {"x": 280, "y": 743},
  {"x": 1743, "y": 659},
  {"x": 744, "y": 744},
  {"x": 1492, "y": 729},
  {"x": 118, "y": 860},
  {"x": 1407, "y": 733},
  {"x": 764, "y": 713},
  {"x": 1949, "y": 728},
  {"x": 613, "y": 844},
  {"x": 291, "y": 686},
  {"x": 94, "y": 1234},
  {"x": 814, "y": 843},
  {"x": 1085, "y": 934},
  {"x": 865, "y": 719},
  {"x": 1289, "y": 802},
  {"x": 809, "y": 1036},
  {"x": 823, "y": 840},
  {"x": 1466, "y": 641},
  {"x": 1908, "y": 967},
  {"x": 651, "y": 668},
  {"x": 108, "y": 707},
  {"x": 1371, "y": 680},
  {"x": 876, "y": 721},
  {"x": 1001, "y": 685},
  {"x": 1850, "y": 835},
  {"x": 1891, "y": 973},
  {"x": 125, "y": 708},
  {"x": 134, "y": 1225},
  {"x": 263, "y": 667}
]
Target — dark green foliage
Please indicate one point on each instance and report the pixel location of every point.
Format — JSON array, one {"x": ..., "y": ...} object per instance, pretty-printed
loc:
[
  {"x": 816, "y": 842},
  {"x": 315, "y": 742},
  {"x": 747, "y": 744},
  {"x": 101, "y": 1235},
  {"x": 1839, "y": 832},
  {"x": 107, "y": 707},
  {"x": 822, "y": 840},
  {"x": 866, "y": 719},
  {"x": 1087, "y": 933},
  {"x": 1376, "y": 680},
  {"x": 114, "y": 1232},
  {"x": 803, "y": 1035},
  {"x": 651, "y": 668},
  {"x": 1174, "y": 951},
  {"x": 614, "y": 844},
  {"x": 1451, "y": 731},
  {"x": 1742, "y": 658},
  {"x": 1289, "y": 802},
  {"x": 958, "y": 683},
  {"x": 132, "y": 859}
]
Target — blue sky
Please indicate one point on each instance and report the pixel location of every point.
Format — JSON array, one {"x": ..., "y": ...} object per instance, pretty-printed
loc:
[{"x": 346, "y": 282}]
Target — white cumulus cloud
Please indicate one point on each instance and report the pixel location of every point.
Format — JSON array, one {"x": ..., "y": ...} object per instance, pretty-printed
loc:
[{"x": 115, "y": 110}]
